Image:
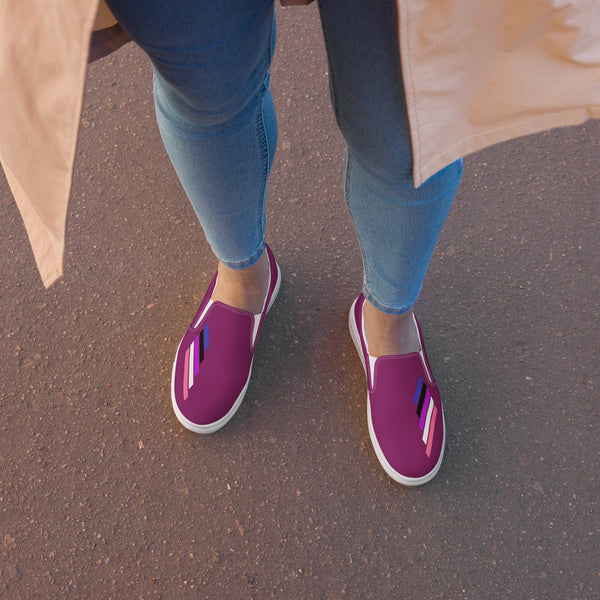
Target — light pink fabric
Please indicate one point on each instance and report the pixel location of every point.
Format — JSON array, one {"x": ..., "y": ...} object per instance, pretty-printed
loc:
[{"x": 476, "y": 73}]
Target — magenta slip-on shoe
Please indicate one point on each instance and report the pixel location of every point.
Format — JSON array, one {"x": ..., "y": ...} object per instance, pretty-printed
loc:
[
  {"x": 213, "y": 363},
  {"x": 404, "y": 408}
]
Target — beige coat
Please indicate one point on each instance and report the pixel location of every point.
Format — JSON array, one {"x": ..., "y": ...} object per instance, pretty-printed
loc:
[{"x": 476, "y": 73}]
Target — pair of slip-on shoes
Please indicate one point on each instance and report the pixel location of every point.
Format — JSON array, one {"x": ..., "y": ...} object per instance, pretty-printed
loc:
[{"x": 212, "y": 370}]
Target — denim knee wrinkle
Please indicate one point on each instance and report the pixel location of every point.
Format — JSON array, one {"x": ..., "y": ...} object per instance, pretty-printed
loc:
[{"x": 215, "y": 112}]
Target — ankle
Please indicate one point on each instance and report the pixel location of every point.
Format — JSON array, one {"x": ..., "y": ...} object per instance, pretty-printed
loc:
[
  {"x": 390, "y": 334},
  {"x": 245, "y": 289}
]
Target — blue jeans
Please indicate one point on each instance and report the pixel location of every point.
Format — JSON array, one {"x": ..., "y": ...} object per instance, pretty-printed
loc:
[{"x": 211, "y": 62}]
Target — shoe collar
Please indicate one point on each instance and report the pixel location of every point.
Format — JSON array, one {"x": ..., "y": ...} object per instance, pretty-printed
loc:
[
  {"x": 372, "y": 360},
  {"x": 257, "y": 317}
]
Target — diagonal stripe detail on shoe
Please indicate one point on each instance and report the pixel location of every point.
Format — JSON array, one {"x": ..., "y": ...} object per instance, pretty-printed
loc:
[
  {"x": 431, "y": 432},
  {"x": 417, "y": 397},
  {"x": 185, "y": 382},
  {"x": 427, "y": 423},
  {"x": 424, "y": 407}
]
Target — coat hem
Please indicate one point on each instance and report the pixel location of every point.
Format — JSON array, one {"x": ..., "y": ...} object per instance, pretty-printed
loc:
[{"x": 501, "y": 134}]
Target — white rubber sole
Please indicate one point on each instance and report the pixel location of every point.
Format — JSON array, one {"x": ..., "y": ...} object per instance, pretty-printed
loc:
[
  {"x": 398, "y": 477},
  {"x": 216, "y": 425}
]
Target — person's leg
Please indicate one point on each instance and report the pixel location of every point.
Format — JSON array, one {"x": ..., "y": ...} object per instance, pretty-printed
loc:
[
  {"x": 216, "y": 117},
  {"x": 397, "y": 224},
  {"x": 215, "y": 113},
  {"x": 397, "y": 227}
]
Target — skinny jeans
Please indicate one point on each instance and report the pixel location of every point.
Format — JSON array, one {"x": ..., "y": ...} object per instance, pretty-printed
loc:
[{"x": 211, "y": 61}]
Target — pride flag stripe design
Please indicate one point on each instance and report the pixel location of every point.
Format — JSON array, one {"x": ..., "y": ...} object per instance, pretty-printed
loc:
[
  {"x": 194, "y": 355},
  {"x": 427, "y": 413},
  {"x": 418, "y": 393},
  {"x": 427, "y": 422},
  {"x": 198, "y": 354},
  {"x": 431, "y": 430},
  {"x": 186, "y": 367},
  {"x": 191, "y": 365},
  {"x": 426, "y": 406}
]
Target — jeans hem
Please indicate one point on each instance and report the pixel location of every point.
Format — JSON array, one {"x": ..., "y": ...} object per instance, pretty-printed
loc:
[
  {"x": 248, "y": 262},
  {"x": 385, "y": 309}
]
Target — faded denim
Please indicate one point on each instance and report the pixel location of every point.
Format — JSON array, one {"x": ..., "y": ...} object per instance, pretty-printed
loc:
[{"x": 211, "y": 62}]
